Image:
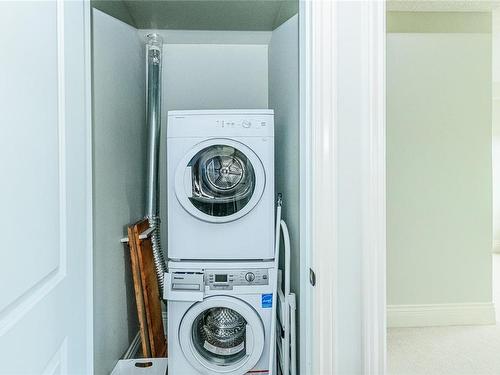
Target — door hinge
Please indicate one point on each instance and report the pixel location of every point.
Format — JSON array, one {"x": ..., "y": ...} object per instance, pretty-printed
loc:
[{"x": 312, "y": 277}]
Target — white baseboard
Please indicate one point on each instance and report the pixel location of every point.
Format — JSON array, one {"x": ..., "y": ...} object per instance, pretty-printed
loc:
[
  {"x": 440, "y": 315},
  {"x": 133, "y": 349},
  {"x": 496, "y": 246},
  {"x": 131, "y": 353},
  {"x": 164, "y": 318}
]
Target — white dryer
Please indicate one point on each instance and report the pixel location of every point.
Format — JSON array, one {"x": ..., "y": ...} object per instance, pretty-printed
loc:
[
  {"x": 220, "y": 185},
  {"x": 219, "y": 317}
]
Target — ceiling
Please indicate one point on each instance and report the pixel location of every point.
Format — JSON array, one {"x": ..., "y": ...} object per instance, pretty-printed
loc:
[
  {"x": 442, "y": 5},
  {"x": 238, "y": 15}
]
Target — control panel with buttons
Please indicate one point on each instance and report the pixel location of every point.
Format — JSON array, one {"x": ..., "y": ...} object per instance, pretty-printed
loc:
[
  {"x": 244, "y": 124},
  {"x": 226, "y": 279}
]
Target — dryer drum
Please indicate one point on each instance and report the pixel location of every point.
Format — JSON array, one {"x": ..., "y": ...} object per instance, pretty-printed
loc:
[
  {"x": 223, "y": 180},
  {"x": 224, "y": 172}
]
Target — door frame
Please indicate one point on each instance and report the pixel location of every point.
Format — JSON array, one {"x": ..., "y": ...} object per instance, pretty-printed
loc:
[
  {"x": 89, "y": 267},
  {"x": 319, "y": 40},
  {"x": 318, "y": 34},
  {"x": 374, "y": 324},
  {"x": 305, "y": 305}
]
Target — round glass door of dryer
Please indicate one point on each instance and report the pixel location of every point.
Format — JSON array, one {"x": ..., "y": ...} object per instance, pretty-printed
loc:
[
  {"x": 222, "y": 335},
  {"x": 220, "y": 180}
]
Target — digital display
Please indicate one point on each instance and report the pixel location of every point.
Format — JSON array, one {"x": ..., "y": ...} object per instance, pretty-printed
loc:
[{"x": 220, "y": 278}]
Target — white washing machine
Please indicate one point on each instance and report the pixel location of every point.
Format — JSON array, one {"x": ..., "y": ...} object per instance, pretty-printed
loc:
[
  {"x": 220, "y": 184},
  {"x": 219, "y": 317}
]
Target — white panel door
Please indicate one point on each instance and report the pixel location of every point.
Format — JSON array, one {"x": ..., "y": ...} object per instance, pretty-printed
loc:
[{"x": 44, "y": 190}]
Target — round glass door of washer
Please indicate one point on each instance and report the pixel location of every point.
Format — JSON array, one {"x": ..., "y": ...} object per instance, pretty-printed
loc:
[
  {"x": 222, "y": 335},
  {"x": 220, "y": 180}
]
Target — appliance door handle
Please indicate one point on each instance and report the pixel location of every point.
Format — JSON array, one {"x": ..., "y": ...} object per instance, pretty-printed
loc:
[
  {"x": 188, "y": 182},
  {"x": 249, "y": 342}
]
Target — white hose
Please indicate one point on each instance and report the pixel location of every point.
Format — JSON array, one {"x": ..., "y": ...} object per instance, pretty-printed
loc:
[
  {"x": 272, "y": 342},
  {"x": 289, "y": 351},
  {"x": 286, "y": 240},
  {"x": 277, "y": 232}
]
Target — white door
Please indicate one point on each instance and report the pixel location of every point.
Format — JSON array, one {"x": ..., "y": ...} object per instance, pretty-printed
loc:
[{"x": 44, "y": 193}]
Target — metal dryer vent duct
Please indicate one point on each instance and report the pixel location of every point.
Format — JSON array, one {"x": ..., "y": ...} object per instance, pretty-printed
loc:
[{"x": 153, "y": 119}]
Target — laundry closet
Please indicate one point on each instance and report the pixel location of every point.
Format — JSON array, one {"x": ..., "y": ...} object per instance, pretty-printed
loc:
[{"x": 216, "y": 55}]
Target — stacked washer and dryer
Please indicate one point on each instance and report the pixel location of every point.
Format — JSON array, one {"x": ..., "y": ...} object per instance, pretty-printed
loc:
[{"x": 221, "y": 280}]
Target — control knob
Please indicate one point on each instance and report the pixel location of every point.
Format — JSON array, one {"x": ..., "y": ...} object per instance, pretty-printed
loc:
[
  {"x": 250, "y": 277},
  {"x": 246, "y": 123}
]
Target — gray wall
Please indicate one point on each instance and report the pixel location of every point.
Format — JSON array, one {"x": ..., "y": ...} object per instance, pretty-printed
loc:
[
  {"x": 209, "y": 76},
  {"x": 495, "y": 51},
  {"x": 284, "y": 99},
  {"x": 118, "y": 181},
  {"x": 215, "y": 76}
]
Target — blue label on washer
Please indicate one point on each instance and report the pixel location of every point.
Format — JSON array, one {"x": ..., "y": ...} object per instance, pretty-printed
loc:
[{"x": 267, "y": 301}]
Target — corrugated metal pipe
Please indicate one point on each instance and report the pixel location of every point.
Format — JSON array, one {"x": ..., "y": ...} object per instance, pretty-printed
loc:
[{"x": 153, "y": 118}]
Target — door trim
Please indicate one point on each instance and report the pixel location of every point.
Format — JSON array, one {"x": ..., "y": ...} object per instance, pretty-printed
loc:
[
  {"x": 319, "y": 90},
  {"x": 305, "y": 302},
  {"x": 373, "y": 15},
  {"x": 318, "y": 185},
  {"x": 89, "y": 268}
]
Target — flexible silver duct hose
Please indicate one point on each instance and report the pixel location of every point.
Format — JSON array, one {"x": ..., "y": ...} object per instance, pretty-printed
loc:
[
  {"x": 153, "y": 119},
  {"x": 159, "y": 260}
]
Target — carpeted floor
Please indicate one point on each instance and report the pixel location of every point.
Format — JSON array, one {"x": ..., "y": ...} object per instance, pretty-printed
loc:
[
  {"x": 470, "y": 350},
  {"x": 444, "y": 351}
]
